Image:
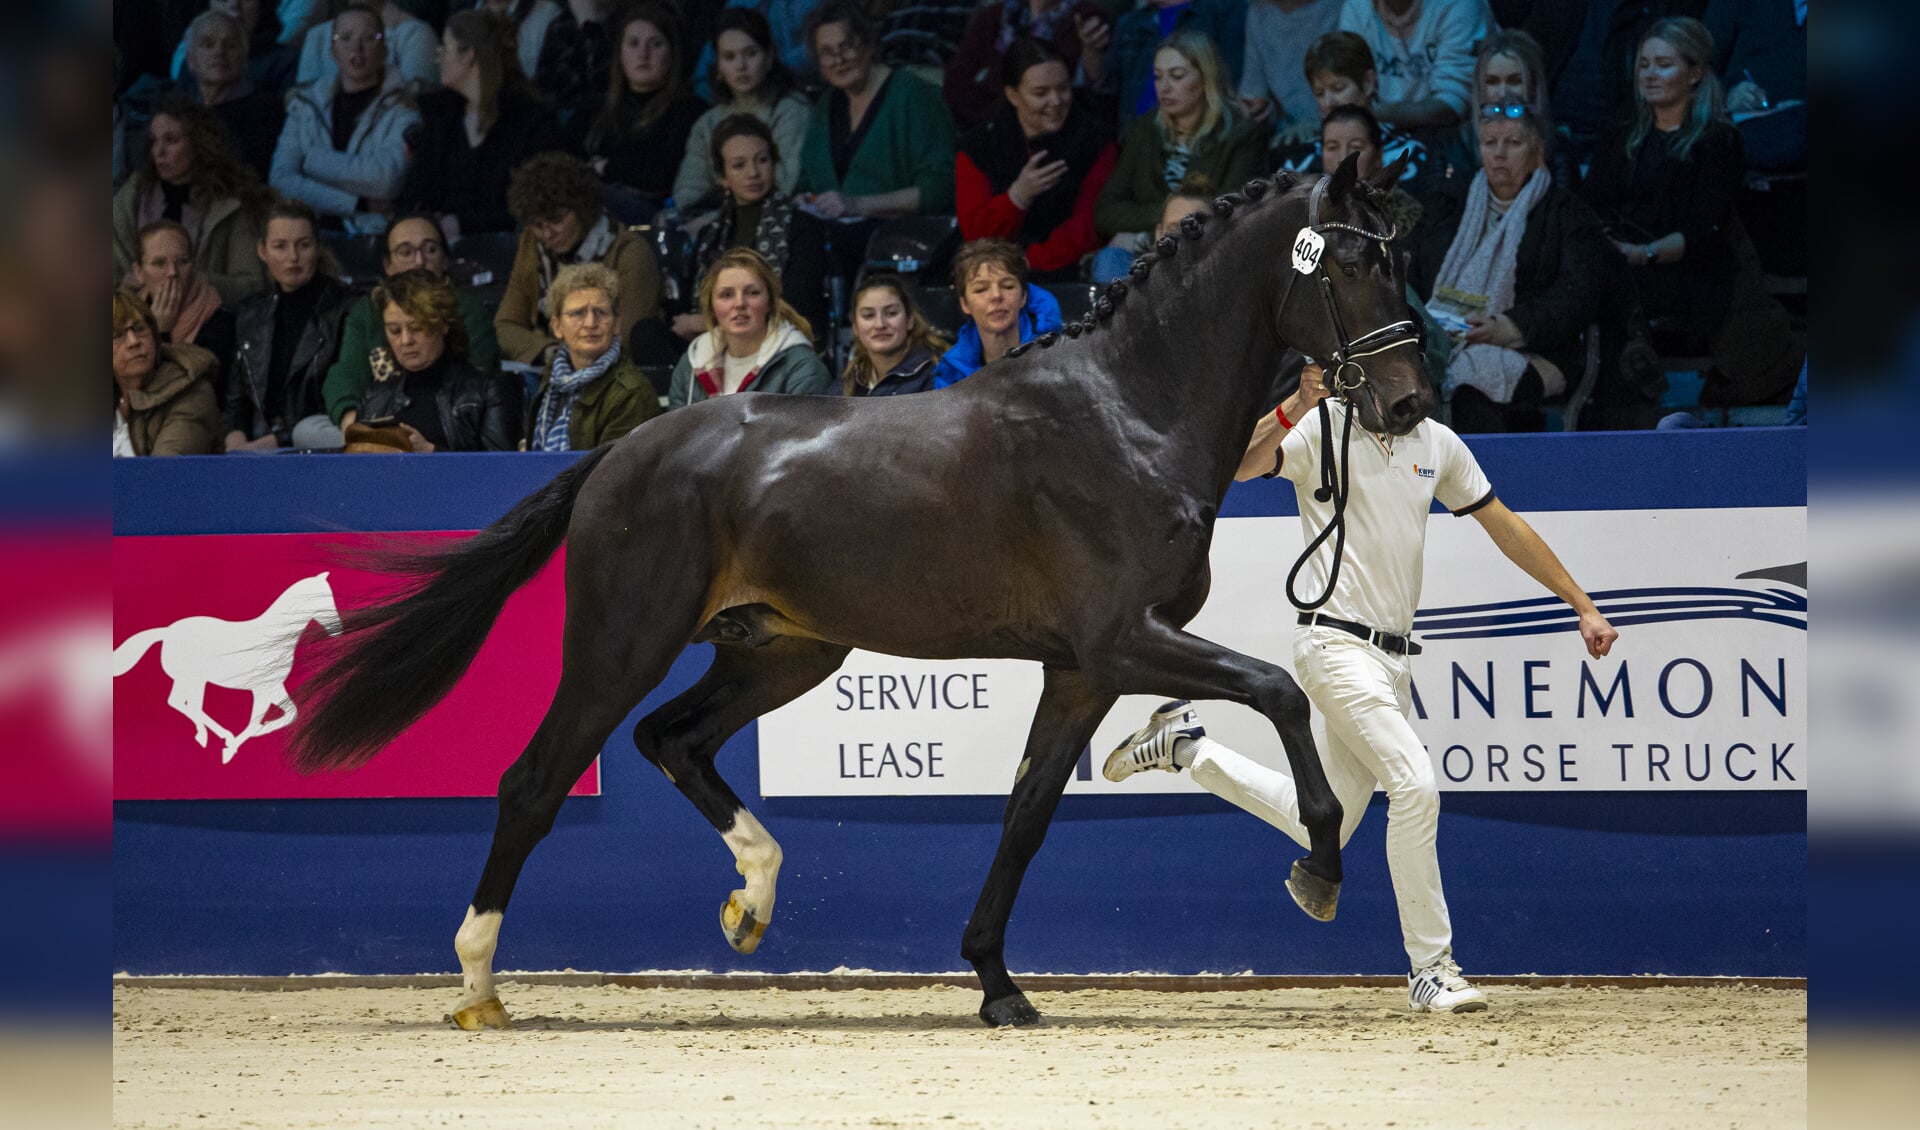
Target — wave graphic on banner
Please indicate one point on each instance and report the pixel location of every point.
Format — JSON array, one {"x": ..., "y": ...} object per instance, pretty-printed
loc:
[{"x": 1625, "y": 607}]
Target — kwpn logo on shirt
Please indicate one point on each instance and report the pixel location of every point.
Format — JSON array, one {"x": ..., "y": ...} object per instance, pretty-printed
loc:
[{"x": 1423, "y": 472}]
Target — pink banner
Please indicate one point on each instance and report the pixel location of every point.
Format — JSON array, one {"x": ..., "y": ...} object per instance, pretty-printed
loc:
[{"x": 195, "y": 622}]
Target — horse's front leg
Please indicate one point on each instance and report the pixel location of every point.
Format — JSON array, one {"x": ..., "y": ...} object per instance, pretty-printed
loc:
[
  {"x": 1161, "y": 660},
  {"x": 1070, "y": 709}
]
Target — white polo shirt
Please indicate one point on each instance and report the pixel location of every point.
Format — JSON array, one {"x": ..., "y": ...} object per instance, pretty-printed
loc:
[{"x": 1393, "y": 490}]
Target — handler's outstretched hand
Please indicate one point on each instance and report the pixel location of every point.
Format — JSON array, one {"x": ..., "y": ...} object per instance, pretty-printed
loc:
[{"x": 1598, "y": 633}]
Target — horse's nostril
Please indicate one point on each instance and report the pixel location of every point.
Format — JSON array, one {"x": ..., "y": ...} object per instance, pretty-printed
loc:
[{"x": 1405, "y": 408}]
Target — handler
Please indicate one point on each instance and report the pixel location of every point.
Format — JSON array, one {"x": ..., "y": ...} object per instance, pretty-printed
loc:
[{"x": 1351, "y": 657}]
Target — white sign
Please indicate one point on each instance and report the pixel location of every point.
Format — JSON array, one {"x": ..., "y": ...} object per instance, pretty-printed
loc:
[
  {"x": 1706, "y": 688},
  {"x": 1307, "y": 250}
]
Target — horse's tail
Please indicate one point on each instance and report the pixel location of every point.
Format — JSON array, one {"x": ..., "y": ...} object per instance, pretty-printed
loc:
[
  {"x": 396, "y": 659},
  {"x": 129, "y": 653}
]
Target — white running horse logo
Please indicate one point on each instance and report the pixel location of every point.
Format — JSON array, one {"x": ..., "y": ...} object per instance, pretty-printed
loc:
[{"x": 250, "y": 655}]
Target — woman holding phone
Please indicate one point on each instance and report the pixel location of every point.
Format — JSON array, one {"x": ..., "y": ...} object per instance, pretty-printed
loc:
[{"x": 1033, "y": 172}]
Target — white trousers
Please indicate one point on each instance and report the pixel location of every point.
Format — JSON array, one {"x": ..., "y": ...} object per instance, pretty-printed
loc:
[{"x": 1363, "y": 696}]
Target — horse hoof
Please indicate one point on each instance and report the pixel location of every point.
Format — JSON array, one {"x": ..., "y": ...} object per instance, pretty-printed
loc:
[
  {"x": 1014, "y": 1010},
  {"x": 1318, "y": 897},
  {"x": 482, "y": 1014},
  {"x": 742, "y": 929}
]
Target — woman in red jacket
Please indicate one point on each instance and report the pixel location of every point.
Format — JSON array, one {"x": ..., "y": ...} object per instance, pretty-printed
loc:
[{"x": 1031, "y": 174}]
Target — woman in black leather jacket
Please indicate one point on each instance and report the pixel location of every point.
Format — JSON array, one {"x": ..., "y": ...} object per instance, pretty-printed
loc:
[
  {"x": 421, "y": 380},
  {"x": 285, "y": 338}
]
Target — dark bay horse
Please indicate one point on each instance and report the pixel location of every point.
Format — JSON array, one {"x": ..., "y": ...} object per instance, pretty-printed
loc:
[{"x": 1058, "y": 506}]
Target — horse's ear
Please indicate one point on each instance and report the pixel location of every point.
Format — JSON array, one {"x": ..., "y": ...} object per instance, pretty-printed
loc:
[
  {"x": 1344, "y": 178},
  {"x": 1384, "y": 179}
]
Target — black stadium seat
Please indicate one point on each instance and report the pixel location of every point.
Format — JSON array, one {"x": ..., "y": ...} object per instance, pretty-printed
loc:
[
  {"x": 919, "y": 247},
  {"x": 1076, "y": 299}
]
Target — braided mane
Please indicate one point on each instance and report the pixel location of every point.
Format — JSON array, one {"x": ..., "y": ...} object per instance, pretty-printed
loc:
[{"x": 1192, "y": 228}]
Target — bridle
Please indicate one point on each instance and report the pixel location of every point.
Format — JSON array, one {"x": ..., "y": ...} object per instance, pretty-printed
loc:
[{"x": 1346, "y": 377}]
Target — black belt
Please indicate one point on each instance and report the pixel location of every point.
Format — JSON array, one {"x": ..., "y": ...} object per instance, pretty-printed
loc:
[{"x": 1391, "y": 644}]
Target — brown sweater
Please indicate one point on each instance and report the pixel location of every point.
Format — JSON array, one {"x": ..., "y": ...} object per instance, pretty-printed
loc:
[
  {"x": 523, "y": 330},
  {"x": 174, "y": 413}
]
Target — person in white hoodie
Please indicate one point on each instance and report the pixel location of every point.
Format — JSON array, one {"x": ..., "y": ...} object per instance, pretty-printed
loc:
[
  {"x": 343, "y": 149},
  {"x": 411, "y": 44},
  {"x": 1423, "y": 56}
]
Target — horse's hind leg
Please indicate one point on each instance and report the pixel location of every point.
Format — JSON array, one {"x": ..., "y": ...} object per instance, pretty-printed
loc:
[
  {"x": 1070, "y": 709},
  {"x": 682, "y": 737},
  {"x": 608, "y": 668}
]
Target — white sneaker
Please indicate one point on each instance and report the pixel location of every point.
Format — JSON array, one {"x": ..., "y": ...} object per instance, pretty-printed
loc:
[
  {"x": 1151, "y": 746},
  {"x": 1440, "y": 988}
]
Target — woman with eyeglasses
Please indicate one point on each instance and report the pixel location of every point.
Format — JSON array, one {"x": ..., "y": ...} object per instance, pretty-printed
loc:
[
  {"x": 879, "y": 141},
  {"x": 1515, "y": 278},
  {"x": 591, "y": 393},
  {"x": 412, "y": 242},
  {"x": 406, "y": 41},
  {"x": 344, "y": 148},
  {"x": 1666, "y": 188},
  {"x": 163, "y": 393}
]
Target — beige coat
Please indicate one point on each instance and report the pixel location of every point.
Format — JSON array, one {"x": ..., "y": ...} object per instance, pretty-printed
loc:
[
  {"x": 223, "y": 248},
  {"x": 175, "y": 414}
]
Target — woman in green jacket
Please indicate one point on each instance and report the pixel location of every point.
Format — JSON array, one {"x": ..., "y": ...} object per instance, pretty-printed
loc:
[
  {"x": 590, "y": 393},
  {"x": 754, "y": 342},
  {"x": 1195, "y": 137},
  {"x": 879, "y": 141}
]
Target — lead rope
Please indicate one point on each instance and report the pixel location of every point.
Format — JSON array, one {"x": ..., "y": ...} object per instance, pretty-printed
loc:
[{"x": 1333, "y": 487}]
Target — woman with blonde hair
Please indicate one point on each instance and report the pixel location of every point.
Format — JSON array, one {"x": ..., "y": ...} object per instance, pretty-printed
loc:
[
  {"x": 754, "y": 341},
  {"x": 895, "y": 349},
  {"x": 1195, "y": 130},
  {"x": 422, "y": 382},
  {"x": 163, "y": 394},
  {"x": 590, "y": 392},
  {"x": 1666, "y": 190}
]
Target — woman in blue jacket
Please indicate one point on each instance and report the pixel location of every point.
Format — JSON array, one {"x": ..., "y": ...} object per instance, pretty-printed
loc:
[{"x": 1002, "y": 308}]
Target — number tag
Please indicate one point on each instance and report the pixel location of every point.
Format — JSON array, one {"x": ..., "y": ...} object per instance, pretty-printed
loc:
[{"x": 1306, "y": 251}]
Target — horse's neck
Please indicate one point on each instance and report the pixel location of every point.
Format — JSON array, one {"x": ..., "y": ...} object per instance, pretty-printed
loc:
[{"x": 1194, "y": 349}]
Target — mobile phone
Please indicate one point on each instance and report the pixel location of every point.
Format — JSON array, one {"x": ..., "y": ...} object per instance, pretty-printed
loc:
[{"x": 380, "y": 422}]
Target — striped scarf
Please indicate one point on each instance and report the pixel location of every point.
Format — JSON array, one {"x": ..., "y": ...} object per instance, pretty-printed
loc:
[{"x": 563, "y": 385}]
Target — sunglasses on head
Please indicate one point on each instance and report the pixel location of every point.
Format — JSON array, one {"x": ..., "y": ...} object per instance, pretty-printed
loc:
[{"x": 1512, "y": 111}]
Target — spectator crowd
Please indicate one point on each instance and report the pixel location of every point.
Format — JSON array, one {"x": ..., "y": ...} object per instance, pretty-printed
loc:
[{"x": 492, "y": 225}]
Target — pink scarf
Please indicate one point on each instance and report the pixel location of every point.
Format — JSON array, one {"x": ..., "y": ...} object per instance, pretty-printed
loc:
[{"x": 202, "y": 302}]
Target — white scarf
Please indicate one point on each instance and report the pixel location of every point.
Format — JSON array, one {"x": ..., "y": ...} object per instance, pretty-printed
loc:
[{"x": 1477, "y": 276}]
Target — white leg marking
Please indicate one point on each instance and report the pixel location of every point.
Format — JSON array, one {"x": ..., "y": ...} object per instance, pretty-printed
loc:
[
  {"x": 757, "y": 856},
  {"x": 475, "y": 943}
]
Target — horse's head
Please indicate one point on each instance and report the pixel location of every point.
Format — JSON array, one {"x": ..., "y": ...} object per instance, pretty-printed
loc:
[
  {"x": 316, "y": 594},
  {"x": 1346, "y": 305}
]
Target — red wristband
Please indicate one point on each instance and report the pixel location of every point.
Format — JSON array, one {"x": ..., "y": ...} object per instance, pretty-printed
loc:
[{"x": 1280, "y": 414}]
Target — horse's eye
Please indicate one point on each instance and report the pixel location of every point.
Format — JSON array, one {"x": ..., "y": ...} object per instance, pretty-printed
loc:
[{"x": 1349, "y": 270}]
